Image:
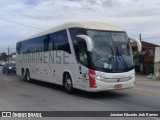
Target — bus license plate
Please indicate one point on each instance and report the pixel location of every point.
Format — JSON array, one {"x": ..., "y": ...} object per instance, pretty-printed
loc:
[{"x": 118, "y": 86}]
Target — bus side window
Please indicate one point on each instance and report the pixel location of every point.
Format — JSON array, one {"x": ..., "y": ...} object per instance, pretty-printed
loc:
[
  {"x": 46, "y": 41},
  {"x": 82, "y": 51},
  {"x": 59, "y": 41},
  {"x": 18, "y": 47}
]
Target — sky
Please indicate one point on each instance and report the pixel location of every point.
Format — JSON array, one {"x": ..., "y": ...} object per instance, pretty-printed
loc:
[{"x": 20, "y": 19}]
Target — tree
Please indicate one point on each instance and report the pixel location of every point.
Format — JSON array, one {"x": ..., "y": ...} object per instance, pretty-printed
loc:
[{"x": 3, "y": 56}]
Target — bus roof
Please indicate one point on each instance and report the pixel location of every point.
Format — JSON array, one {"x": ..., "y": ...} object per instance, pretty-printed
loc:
[{"x": 86, "y": 25}]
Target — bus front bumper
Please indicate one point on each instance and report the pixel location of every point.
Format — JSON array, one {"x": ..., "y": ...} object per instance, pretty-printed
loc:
[{"x": 104, "y": 86}]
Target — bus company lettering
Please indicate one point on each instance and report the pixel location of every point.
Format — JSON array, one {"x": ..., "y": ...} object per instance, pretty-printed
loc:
[{"x": 58, "y": 57}]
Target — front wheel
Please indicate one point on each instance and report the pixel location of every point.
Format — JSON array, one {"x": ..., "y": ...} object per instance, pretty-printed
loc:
[{"x": 67, "y": 82}]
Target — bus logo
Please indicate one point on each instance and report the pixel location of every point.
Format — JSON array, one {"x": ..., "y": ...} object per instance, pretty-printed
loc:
[{"x": 118, "y": 80}]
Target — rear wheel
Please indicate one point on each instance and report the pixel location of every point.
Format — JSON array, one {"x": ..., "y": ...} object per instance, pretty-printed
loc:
[
  {"x": 23, "y": 75},
  {"x": 27, "y": 76},
  {"x": 67, "y": 83}
]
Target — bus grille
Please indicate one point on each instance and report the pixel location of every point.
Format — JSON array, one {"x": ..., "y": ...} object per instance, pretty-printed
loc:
[{"x": 115, "y": 80}]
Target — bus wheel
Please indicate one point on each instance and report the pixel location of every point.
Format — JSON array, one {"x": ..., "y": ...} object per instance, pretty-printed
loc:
[
  {"x": 67, "y": 82},
  {"x": 7, "y": 71},
  {"x": 27, "y": 76},
  {"x": 23, "y": 75}
]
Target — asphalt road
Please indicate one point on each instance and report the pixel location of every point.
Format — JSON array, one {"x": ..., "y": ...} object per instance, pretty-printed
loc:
[{"x": 17, "y": 95}]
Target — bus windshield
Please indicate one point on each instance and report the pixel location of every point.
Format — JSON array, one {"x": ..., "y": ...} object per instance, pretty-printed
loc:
[{"x": 111, "y": 50}]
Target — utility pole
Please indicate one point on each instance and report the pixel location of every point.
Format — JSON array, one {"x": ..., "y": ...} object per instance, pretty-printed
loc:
[
  {"x": 8, "y": 53},
  {"x": 140, "y": 37},
  {"x": 142, "y": 65}
]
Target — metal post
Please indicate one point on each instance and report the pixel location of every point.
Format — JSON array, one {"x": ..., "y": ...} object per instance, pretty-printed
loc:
[{"x": 8, "y": 53}]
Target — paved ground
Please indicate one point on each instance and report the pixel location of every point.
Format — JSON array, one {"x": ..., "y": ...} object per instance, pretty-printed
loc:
[
  {"x": 17, "y": 95},
  {"x": 147, "y": 86}
]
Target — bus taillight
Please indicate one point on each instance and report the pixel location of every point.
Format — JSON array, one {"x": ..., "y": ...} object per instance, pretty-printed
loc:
[{"x": 92, "y": 76}]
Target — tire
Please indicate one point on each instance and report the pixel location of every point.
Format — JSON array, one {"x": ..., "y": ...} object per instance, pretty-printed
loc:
[
  {"x": 67, "y": 83},
  {"x": 27, "y": 76},
  {"x": 23, "y": 76},
  {"x": 8, "y": 72}
]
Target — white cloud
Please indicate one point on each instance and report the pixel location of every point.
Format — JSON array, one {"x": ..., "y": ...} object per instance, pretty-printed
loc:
[{"x": 136, "y": 16}]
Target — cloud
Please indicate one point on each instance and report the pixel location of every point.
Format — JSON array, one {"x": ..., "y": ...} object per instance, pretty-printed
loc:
[
  {"x": 135, "y": 16},
  {"x": 32, "y": 2}
]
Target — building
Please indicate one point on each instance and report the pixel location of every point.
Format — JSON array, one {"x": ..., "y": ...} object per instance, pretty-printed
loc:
[
  {"x": 145, "y": 61},
  {"x": 157, "y": 61}
]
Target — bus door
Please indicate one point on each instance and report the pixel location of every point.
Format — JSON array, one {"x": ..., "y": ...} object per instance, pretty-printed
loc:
[{"x": 81, "y": 68}]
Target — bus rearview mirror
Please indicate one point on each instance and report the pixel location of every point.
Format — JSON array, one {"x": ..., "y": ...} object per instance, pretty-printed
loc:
[
  {"x": 139, "y": 44},
  {"x": 88, "y": 41}
]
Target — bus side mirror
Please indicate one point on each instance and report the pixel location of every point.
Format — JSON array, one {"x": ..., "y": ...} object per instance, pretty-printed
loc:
[
  {"x": 139, "y": 44},
  {"x": 88, "y": 41}
]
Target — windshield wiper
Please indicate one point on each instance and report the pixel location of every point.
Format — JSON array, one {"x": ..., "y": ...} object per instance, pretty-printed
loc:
[{"x": 125, "y": 64}]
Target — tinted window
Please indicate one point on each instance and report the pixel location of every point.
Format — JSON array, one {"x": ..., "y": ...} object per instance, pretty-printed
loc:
[
  {"x": 59, "y": 41},
  {"x": 11, "y": 64},
  {"x": 82, "y": 53},
  {"x": 74, "y": 32},
  {"x": 53, "y": 41},
  {"x": 32, "y": 45},
  {"x": 47, "y": 40},
  {"x": 18, "y": 47}
]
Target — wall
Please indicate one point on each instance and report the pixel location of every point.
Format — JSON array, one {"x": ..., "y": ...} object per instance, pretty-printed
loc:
[
  {"x": 156, "y": 69},
  {"x": 157, "y": 61}
]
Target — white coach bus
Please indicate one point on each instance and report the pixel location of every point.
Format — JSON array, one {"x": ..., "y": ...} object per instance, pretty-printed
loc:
[{"x": 88, "y": 56}]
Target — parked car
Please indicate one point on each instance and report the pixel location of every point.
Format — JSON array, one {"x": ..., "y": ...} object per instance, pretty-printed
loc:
[
  {"x": 2, "y": 63},
  {"x": 9, "y": 68}
]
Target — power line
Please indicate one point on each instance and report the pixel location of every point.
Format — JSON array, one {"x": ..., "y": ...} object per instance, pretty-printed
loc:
[
  {"x": 139, "y": 12},
  {"x": 11, "y": 27},
  {"x": 133, "y": 12},
  {"x": 143, "y": 11},
  {"x": 151, "y": 37},
  {"x": 6, "y": 4},
  {"x": 21, "y": 24}
]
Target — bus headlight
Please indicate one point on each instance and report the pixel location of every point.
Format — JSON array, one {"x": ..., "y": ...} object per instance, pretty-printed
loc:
[
  {"x": 99, "y": 78},
  {"x": 132, "y": 76},
  {"x": 10, "y": 68}
]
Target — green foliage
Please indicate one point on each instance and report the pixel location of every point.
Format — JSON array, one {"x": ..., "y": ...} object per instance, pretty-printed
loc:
[{"x": 3, "y": 56}]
